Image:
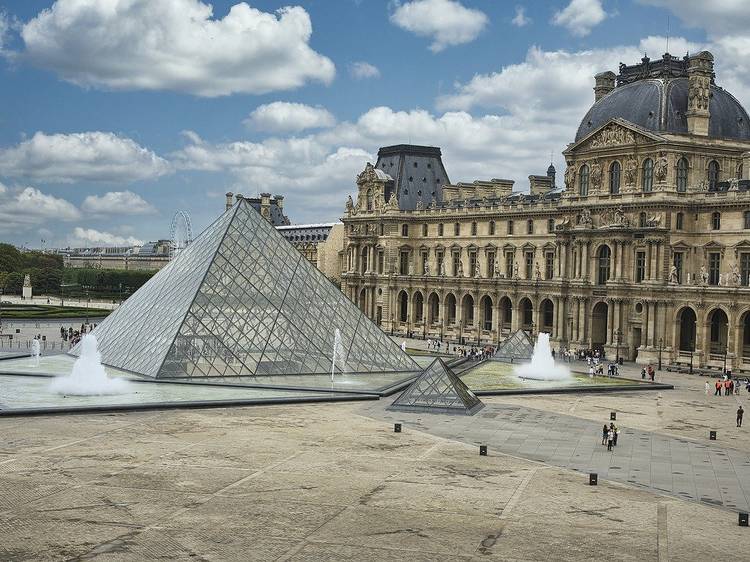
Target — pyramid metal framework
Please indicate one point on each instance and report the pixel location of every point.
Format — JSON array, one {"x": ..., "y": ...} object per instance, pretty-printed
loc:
[
  {"x": 439, "y": 390},
  {"x": 240, "y": 300},
  {"x": 516, "y": 347}
]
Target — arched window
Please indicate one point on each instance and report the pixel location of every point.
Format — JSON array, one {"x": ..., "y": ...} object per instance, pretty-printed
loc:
[
  {"x": 492, "y": 228},
  {"x": 614, "y": 178},
  {"x": 648, "y": 175},
  {"x": 583, "y": 181},
  {"x": 682, "y": 175},
  {"x": 369, "y": 200},
  {"x": 713, "y": 175},
  {"x": 716, "y": 220},
  {"x": 603, "y": 263},
  {"x": 403, "y": 308},
  {"x": 530, "y": 226}
]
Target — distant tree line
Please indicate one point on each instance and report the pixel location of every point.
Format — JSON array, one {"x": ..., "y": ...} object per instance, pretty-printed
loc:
[{"x": 48, "y": 274}]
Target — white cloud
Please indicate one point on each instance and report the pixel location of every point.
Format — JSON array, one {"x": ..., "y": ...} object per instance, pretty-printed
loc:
[
  {"x": 580, "y": 16},
  {"x": 520, "y": 20},
  {"x": 363, "y": 69},
  {"x": 5, "y": 27},
  {"x": 446, "y": 22},
  {"x": 86, "y": 236},
  {"x": 90, "y": 156},
  {"x": 279, "y": 116},
  {"x": 29, "y": 207},
  {"x": 117, "y": 203},
  {"x": 175, "y": 45},
  {"x": 723, "y": 17}
]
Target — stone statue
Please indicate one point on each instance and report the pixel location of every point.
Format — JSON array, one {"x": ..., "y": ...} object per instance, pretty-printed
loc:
[
  {"x": 660, "y": 168},
  {"x": 586, "y": 219},
  {"x": 688, "y": 278},
  {"x": 704, "y": 275},
  {"x": 596, "y": 175},
  {"x": 477, "y": 270},
  {"x": 427, "y": 268},
  {"x": 349, "y": 205},
  {"x": 460, "y": 268},
  {"x": 392, "y": 204},
  {"x": 735, "y": 274},
  {"x": 496, "y": 271},
  {"x": 570, "y": 177},
  {"x": 411, "y": 268},
  {"x": 721, "y": 279},
  {"x": 631, "y": 171},
  {"x": 537, "y": 272},
  {"x": 653, "y": 220},
  {"x": 673, "y": 278},
  {"x": 734, "y": 184},
  {"x": 420, "y": 206},
  {"x": 442, "y": 268},
  {"x": 433, "y": 203},
  {"x": 515, "y": 270}
]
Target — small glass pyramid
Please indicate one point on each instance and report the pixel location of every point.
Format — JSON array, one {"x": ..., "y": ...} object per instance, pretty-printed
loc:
[
  {"x": 516, "y": 347},
  {"x": 439, "y": 390},
  {"x": 242, "y": 301}
]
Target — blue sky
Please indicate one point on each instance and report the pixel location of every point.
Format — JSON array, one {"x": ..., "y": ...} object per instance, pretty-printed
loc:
[{"x": 117, "y": 113}]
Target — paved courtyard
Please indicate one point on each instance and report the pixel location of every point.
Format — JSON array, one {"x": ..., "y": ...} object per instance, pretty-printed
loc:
[{"x": 332, "y": 481}]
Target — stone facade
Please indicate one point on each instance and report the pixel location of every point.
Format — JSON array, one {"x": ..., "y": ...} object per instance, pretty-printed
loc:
[{"x": 646, "y": 252}]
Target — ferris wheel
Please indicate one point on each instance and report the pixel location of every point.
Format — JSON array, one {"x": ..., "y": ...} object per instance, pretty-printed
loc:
[{"x": 181, "y": 233}]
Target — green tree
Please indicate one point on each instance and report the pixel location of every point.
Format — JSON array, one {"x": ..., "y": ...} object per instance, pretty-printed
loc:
[
  {"x": 10, "y": 258},
  {"x": 13, "y": 283}
]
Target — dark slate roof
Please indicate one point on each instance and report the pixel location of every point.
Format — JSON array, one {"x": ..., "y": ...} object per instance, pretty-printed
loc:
[
  {"x": 300, "y": 233},
  {"x": 417, "y": 171},
  {"x": 660, "y": 105},
  {"x": 278, "y": 218}
]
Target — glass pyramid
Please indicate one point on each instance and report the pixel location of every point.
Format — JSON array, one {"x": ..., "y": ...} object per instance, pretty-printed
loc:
[
  {"x": 241, "y": 301},
  {"x": 438, "y": 389},
  {"x": 516, "y": 347}
]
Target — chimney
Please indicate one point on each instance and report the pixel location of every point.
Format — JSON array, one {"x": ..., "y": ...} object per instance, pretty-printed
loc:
[
  {"x": 229, "y": 201},
  {"x": 279, "y": 201},
  {"x": 551, "y": 173},
  {"x": 265, "y": 205},
  {"x": 239, "y": 197},
  {"x": 605, "y": 83},
  {"x": 700, "y": 77}
]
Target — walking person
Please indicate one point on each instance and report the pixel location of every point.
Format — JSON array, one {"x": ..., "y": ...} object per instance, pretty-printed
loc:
[
  {"x": 717, "y": 392},
  {"x": 740, "y": 412},
  {"x": 605, "y": 431},
  {"x": 616, "y": 431},
  {"x": 610, "y": 439},
  {"x": 707, "y": 388}
]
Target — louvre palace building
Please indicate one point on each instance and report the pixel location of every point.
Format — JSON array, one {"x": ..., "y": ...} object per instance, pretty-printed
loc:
[{"x": 641, "y": 250}]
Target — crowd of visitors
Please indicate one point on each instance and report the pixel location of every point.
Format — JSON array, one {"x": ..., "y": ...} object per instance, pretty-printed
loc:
[
  {"x": 609, "y": 435},
  {"x": 74, "y": 336}
]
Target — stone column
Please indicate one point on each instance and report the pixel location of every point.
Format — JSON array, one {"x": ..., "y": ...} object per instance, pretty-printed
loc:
[
  {"x": 615, "y": 259},
  {"x": 582, "y": 320},
  {"x": 610, "y": 321},
  {"x": 652, "y": 331},
  {"x": 586, "y": 263}
]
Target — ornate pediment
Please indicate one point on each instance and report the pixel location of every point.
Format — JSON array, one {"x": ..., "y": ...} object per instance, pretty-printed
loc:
[
  {"x": 371, "y": 175},
  {"x": 615, "y": 133},
  {"x": 681, "y": 245}
]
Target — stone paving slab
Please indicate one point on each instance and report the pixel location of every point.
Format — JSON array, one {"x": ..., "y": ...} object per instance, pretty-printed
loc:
[{"x": 710, "y": 474}]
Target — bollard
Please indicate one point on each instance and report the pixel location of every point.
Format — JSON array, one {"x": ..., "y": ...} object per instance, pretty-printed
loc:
[
  {"x": 712, "y": 435},
  {"x": 396, "y": 428},
  {"x": 613, "y": 416},
  {"x": 482, "y": 450},
  {"x": 743, "y": 519},
  {"x": 593, "y": 479}
]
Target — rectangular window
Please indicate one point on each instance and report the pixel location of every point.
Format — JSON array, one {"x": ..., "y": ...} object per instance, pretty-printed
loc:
[
  {"x": 746, "y": 221},
  {"x": 404, "y": 262},
  {"x": 381, "y": 261},
  {"x": 440, "y": 229},
  {"x": 490, "y": 264},
  {"x": 529, "y": 226},
  {"x": 456, "y": 259},
  {"x": 404, "y": 230},
  {"x": 716, "y": 221},
  {"x": 382, "y": 229},
  {"x": 529, "y": 265},
  {"x": 678, "y": 263},
  {"x": 745, "y": 268},
  {"x": 473, "y": 229},
  {"x": 679, "y": 221},
  {"x": 456, "y": 229},
  {"x": 509, "y": 265},
  {"x": 640, "y": 266},
  {"x": 424, "y": 230},
  {"x": 491, "y": 229},
  {"x": 714, "y": 268},
  {"x": 510, "y": 227},
  {"x": 439, "y": 256},
  {"x": 549, "y": 265},
  {"x": 550, "y": 225},
  {"x": 472, "y": 264}
]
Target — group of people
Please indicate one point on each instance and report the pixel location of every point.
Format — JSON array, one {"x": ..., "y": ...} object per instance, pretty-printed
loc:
[
  {"x": 648, "y": 371},
  {"x": 728, "y": 385},
  {"x": 74, "y": 336},
  {"x": 609, "y": 435}
]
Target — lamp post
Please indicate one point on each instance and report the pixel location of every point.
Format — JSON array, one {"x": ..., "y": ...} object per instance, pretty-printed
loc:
[
  {"x": 661, "y": 344},
  {"x": 1, "y": 310},
  {"x": 724, "y": 370},
  {"x": 87, "y": 306},
  {"x": 618, "y": 333},
  {"x": 691, "y": 361}
]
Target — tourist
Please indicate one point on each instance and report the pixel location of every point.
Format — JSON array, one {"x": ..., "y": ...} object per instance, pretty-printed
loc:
[
  {"x": 605, "y": 430},
  {"x": 616, "y": 431},
  {"x": 591, "y": 371},
  {"x": 707, "y": 388},
  {"x": 717, "y": 392},
  {"x": 740, "y": 412},
  {"x": 610, "y": 438},
  {"x": 643, "y": 373},
  {"x": 726, "y": 387}
]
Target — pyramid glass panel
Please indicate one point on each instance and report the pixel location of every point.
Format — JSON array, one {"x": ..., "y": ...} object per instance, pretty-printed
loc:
[
  {"x": 516, "y": 347},
  {"x": 240, "y": 301},
  {"x": 438, "y": 389}
]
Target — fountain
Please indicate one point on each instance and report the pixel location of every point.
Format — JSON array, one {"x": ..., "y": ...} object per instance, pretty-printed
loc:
[
  {"x": 542, "y": 366},
  {"x": 338, "y": 354},
  {"x": 36, "y": 351},
  {"x": 88, "y": 377}
]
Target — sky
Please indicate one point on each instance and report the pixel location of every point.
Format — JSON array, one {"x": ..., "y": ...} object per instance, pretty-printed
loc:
[{"x": 115, "y": 114}]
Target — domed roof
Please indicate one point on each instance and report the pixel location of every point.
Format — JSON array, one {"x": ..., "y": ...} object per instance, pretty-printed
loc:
[{"x": 660, "y": 105}]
